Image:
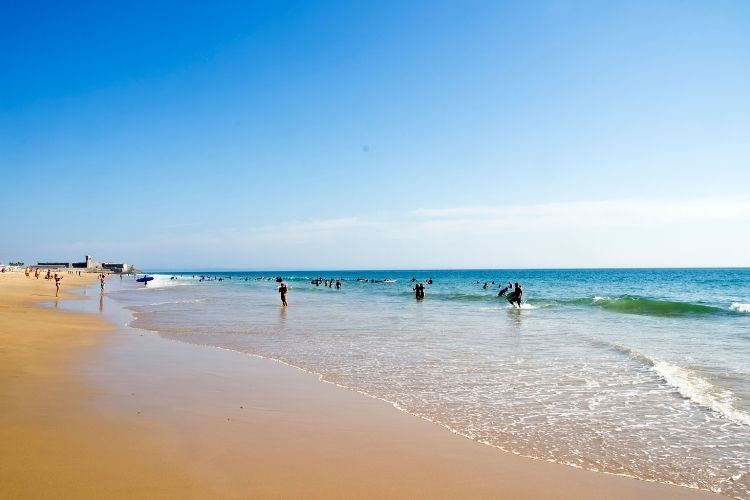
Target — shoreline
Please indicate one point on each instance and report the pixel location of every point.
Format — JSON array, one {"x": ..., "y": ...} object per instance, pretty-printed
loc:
[{"x": 218, "y": 423}]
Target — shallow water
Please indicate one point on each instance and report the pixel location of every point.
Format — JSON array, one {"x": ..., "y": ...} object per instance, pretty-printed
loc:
[{"x": 638, "y": 372}]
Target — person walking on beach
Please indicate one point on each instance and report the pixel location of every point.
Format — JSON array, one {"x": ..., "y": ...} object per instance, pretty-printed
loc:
[
  {"x": 102, "y": 277},
  {"x": 58, "y": 279},
  {"x": 283, "y": 290}
]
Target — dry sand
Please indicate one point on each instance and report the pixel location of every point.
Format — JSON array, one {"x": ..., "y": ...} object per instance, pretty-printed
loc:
[{"x": 93, "y": 410}]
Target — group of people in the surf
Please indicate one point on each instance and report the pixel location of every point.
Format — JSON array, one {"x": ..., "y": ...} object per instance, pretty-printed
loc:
[
  {"x": 326, "y": 283},
  {"x": 512, "y": 292}
]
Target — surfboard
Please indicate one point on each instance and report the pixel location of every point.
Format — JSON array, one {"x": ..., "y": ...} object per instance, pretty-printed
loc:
[{"x": 145, "y": 279}]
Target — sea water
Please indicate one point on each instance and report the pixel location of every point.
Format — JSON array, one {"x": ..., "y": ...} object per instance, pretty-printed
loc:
[{"x": 644, "y": 373}]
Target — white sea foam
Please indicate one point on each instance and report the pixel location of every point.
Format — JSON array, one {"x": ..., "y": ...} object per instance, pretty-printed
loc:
[
  {"x": 598, "y": 299},
  {"x": 190, "y": 301},
  {"x": 740, "y": 307},
  {"x": 699, "y": 390},
  {"x": 523, "y": 306},
  {"x": 163, "y": 281}
]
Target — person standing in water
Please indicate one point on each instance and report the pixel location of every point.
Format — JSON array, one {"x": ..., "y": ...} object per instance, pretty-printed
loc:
[
  {"x": 102, "y": 277},
  {"x": 283, "y": 290}
]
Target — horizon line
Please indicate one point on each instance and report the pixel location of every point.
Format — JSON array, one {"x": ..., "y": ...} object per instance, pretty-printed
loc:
[{"x": 228, "y": 269}]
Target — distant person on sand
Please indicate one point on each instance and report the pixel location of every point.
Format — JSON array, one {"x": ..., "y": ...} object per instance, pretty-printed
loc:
[
  {"x": 101, "y": 281},
  {"x": 36, "y": 274},
  {"x": 283, "y": 290},
  {"x": 515, "y": 297},
  {"x": 58, "y": 279}
]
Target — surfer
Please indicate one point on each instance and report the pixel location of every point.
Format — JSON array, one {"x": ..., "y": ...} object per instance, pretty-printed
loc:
[
  {"x": 505, "y": 290},
  {"x": 283, "y": 290},
  {"x": 515, "y": 297}
]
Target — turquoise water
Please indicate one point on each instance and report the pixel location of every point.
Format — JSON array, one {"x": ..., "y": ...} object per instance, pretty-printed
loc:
[{"x": 644, "y": 373}]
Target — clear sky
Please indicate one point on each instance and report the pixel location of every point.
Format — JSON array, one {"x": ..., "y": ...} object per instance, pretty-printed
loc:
[{"x": 361, "y": 134}]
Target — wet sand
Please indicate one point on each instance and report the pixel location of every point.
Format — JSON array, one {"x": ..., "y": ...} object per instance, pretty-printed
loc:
[{"x": 92, "y": 409}]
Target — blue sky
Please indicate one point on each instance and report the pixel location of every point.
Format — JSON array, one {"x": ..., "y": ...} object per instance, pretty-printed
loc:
[{"x": 377, "y": 134}]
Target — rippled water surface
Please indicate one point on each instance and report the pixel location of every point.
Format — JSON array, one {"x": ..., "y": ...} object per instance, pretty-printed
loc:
[{"x": 637, "y": 372}]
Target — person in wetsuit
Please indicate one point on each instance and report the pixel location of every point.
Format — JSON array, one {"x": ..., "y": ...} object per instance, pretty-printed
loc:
[
  {"x": 515, "y": 297},
  {"x": 283, "y": 290},
  {"x": 505, "y": 290}
]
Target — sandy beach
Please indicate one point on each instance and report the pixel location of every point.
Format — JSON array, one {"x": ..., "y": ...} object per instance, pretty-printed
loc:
[{"x": 94, "y": 409}]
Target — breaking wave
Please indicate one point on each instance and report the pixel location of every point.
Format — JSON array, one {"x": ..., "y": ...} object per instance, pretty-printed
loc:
[
  {"x": 631, "y": 304},
  {"x": 690, "y": 385}
]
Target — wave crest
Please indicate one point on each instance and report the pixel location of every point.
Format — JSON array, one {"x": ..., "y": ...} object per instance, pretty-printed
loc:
[
  {"x": 631, "y": 304},
  {"x": 692, "y": 386}
]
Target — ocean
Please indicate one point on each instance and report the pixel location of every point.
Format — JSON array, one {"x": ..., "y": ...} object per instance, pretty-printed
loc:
[{"x": 638, "y": 372}]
